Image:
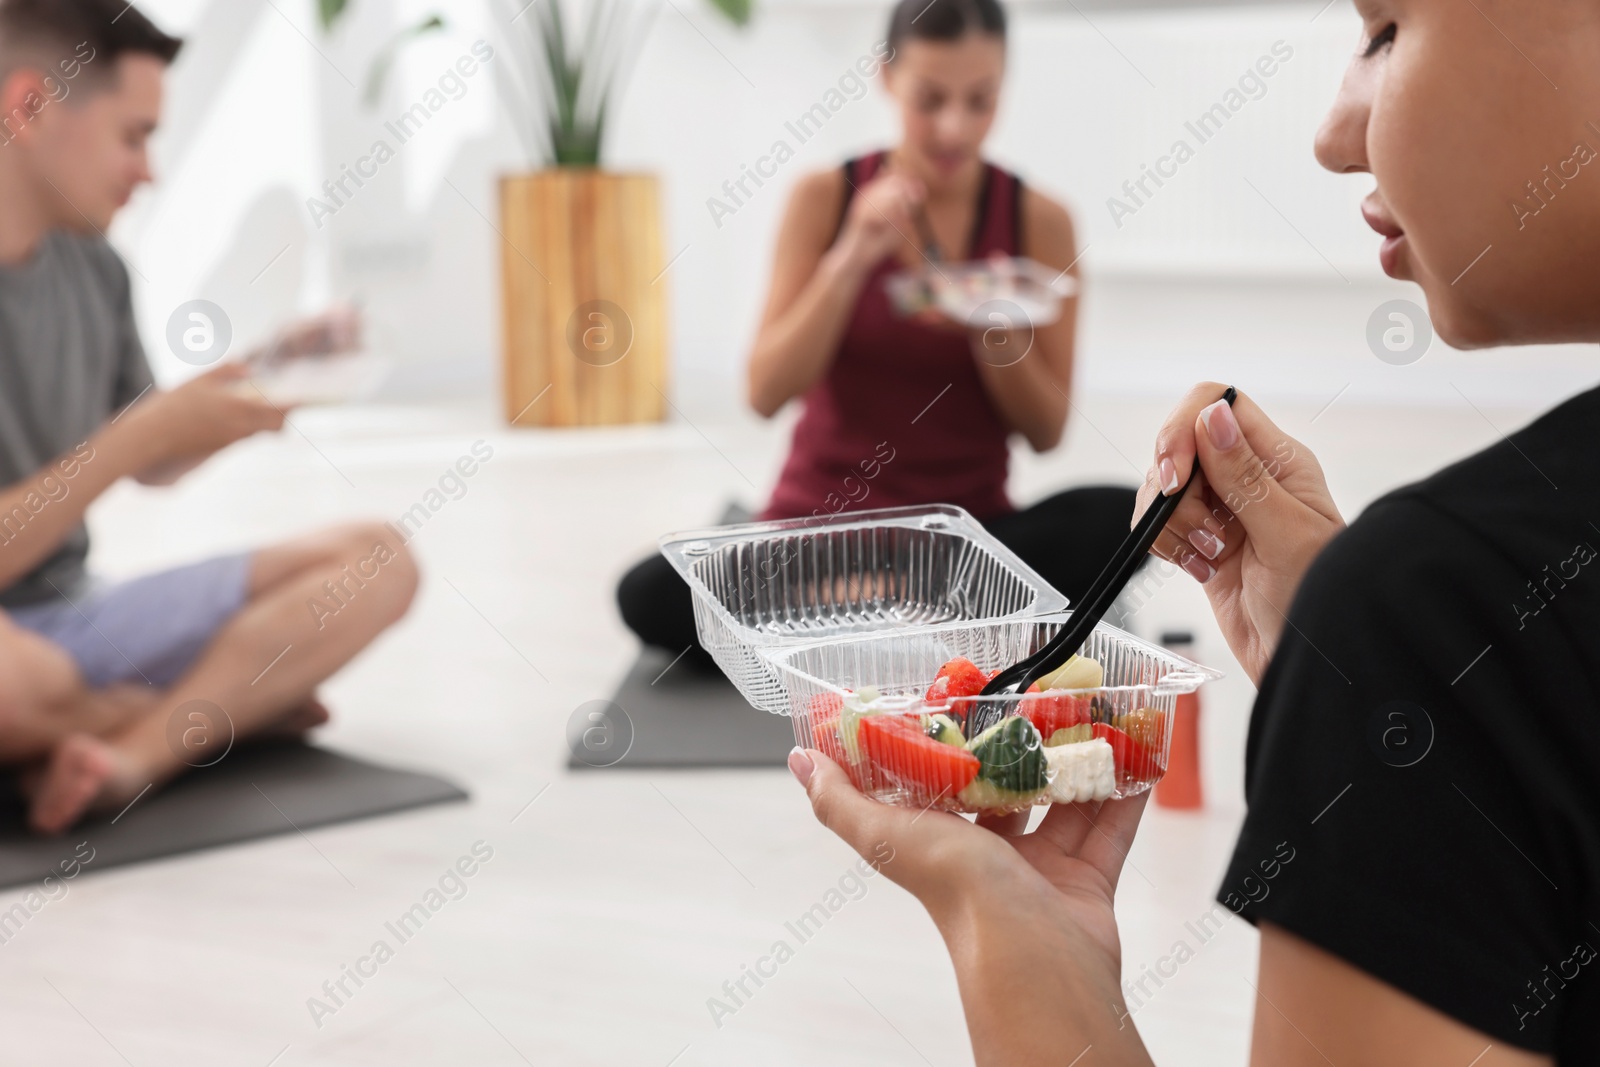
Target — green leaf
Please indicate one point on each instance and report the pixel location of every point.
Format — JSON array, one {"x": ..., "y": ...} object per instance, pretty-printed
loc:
[
  {"x": 378, "y": 73},
  {"x": 591, "y": 73},
  {"x": 329, "y": 11},
  {"x": 738, "y": 11}
]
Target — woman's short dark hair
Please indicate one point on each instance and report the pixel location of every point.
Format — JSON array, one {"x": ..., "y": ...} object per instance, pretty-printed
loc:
[{"x": 944, "y": 20}]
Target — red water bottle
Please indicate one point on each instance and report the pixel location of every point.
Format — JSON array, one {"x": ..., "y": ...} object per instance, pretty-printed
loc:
[{"x": 1180, "y": 787}]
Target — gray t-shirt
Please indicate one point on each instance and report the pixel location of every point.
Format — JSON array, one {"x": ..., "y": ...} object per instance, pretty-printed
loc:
[{"x": 70, "y": 359}]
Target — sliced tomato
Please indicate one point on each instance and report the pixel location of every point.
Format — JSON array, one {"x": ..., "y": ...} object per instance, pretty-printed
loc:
[
  {"x": 957, "y": 680},
  {"x": 825, "y": 709},
  {"x": 824, "y": 704},
  {"x": 1135, "y": 763},
  {"x": 1056, "y": 711},
  {"x": 896, "y": 746}
]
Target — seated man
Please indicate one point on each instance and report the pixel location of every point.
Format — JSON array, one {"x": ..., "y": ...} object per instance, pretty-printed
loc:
[
  {"x": 44, "y": 700},
  {"x": 80, "y": 94}
]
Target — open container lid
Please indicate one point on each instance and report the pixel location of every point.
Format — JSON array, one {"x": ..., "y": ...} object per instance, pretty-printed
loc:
[
  {"x": 796, "y": 580},
  {"x": 770, "y": 585}
]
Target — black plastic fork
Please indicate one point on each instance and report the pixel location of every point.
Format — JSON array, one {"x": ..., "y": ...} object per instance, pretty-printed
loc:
[{"x": 1087, "y": 614}]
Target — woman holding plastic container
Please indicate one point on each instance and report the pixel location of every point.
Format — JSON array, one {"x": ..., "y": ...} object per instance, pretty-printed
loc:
[
  {"x": 1426, "y": 898},
  {"x": 914, "y": 410}
]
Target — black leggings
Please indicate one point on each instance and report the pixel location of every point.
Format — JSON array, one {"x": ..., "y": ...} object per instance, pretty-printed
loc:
[{"x": 1067, "y": 538}]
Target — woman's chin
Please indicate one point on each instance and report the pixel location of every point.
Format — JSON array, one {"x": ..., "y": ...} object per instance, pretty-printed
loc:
[
  {"x": 1467, "y": 328},
  {"x": 943, "y": 168}
]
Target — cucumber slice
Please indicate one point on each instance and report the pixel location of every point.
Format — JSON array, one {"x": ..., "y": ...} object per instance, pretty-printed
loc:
[
  {"x": 983, "y": 795},
  {"x": 855, "y": 706},
  {"x": 1012, "y": 765},
  {"x": 1070, "y": 735},
  {"x": 943, "y": 728}
]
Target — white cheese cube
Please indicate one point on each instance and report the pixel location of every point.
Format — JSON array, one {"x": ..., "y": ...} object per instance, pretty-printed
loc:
[{"x": 1083, "y": 771}]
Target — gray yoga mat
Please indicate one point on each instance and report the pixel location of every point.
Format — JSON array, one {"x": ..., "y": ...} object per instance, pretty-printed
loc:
[
  {"x": 257, "y": 791},
  {"x": 688, "y": 718}
]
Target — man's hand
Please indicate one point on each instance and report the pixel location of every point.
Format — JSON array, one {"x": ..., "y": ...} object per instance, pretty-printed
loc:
[
  {"x": 339, "y": 329},
  {"x": 200, "y": 417},
  {"x": 1249, "y": 528}
]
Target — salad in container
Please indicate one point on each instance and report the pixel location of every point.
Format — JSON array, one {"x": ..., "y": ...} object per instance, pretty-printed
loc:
[
  {"x": 912, "y": 729},
  {"x": 968, "y": 292},
  {"x": 876, "y": 633}
]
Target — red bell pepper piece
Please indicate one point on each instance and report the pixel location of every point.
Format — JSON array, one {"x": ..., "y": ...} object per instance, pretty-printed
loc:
[
  {"x": 825, "y": 710},
  {"x": 1057, "y": 711},
  {"x": 896, "y": 745},
  {"x": 1135, "y": 763}
]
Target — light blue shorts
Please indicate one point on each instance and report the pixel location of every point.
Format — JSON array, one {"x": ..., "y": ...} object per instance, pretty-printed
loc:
[{"x": 150, "y": 629}]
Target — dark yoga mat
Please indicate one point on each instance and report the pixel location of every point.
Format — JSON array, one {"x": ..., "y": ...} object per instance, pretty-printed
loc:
[
  {"x": 256, "y": 791},
  {"x": 689, "y": 718}
]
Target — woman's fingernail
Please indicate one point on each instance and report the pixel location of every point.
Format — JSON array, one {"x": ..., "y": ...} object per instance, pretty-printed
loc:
[
  {"x": 1169, "y": 475},
  {"x": 800, "y": 765},
  {"x": 1198, "y": 568},
  {"x": 1209, "y": 545},
  {"x": 1221, "y": 425}
]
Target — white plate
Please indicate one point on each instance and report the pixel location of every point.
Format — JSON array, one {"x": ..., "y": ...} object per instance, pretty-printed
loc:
[{"x": 306, "y": 381}]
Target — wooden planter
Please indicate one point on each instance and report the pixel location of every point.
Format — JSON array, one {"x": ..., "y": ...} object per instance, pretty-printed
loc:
[{"x": 585, "y": 303}]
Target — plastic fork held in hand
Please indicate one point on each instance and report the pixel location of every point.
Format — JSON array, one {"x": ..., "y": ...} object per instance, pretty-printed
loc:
[
  {"x": 1086, "y": 614},
  {"x": 930, "y": 243}
]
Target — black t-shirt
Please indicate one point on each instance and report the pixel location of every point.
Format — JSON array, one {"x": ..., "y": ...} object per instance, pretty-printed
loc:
[{"x": 1423, "y": 765}]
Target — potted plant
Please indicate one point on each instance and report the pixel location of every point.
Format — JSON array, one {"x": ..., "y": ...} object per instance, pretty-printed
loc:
[
  {"x": 585, "y": 312},
  {"x": 585, "y": 315},
  {"x": 329, "y": 12}
]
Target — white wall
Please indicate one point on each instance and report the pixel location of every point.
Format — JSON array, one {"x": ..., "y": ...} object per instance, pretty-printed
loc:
[{"x": 1250, "y": 264}]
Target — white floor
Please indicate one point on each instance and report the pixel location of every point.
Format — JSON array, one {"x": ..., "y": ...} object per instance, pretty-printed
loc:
[{"x": 615, "y": 904}]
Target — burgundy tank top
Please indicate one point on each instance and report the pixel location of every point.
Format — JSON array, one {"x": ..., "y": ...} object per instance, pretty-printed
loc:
[{"x": 902, "y": 416}]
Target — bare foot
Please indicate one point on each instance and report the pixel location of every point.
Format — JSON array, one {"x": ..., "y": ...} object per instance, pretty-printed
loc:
[
  {"x": 296, "y": 722},
  {"x": 86, "y": 774},
  {"x": 82, "y": 774},
  {"x": 32, "y": 732},
  {"x": 109, "y": 709}
]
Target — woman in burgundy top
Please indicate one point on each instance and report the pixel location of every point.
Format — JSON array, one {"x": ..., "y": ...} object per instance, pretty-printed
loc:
[{"x": 912, "y": 411}]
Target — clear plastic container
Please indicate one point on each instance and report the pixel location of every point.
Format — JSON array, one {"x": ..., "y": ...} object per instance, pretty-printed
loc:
[
  {"x": 335, "y": 358},
  {"x": 862, "y": 700},
  {"x": 766, "y": 586},
  {"x": 969, "y": 292}
]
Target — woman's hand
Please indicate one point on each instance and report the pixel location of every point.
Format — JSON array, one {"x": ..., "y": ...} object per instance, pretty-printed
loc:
[
  {"x": 882, "y": 216},
  {"x": 937, "y": 318},
  {"x": 1250, "y": 526},
  {"x": 1028, "y": 919}
]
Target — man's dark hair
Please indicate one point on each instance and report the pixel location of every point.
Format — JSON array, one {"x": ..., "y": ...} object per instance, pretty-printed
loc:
[
  {"x": 34, "y": 31},
  {"x": 944, "y": 20}
]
